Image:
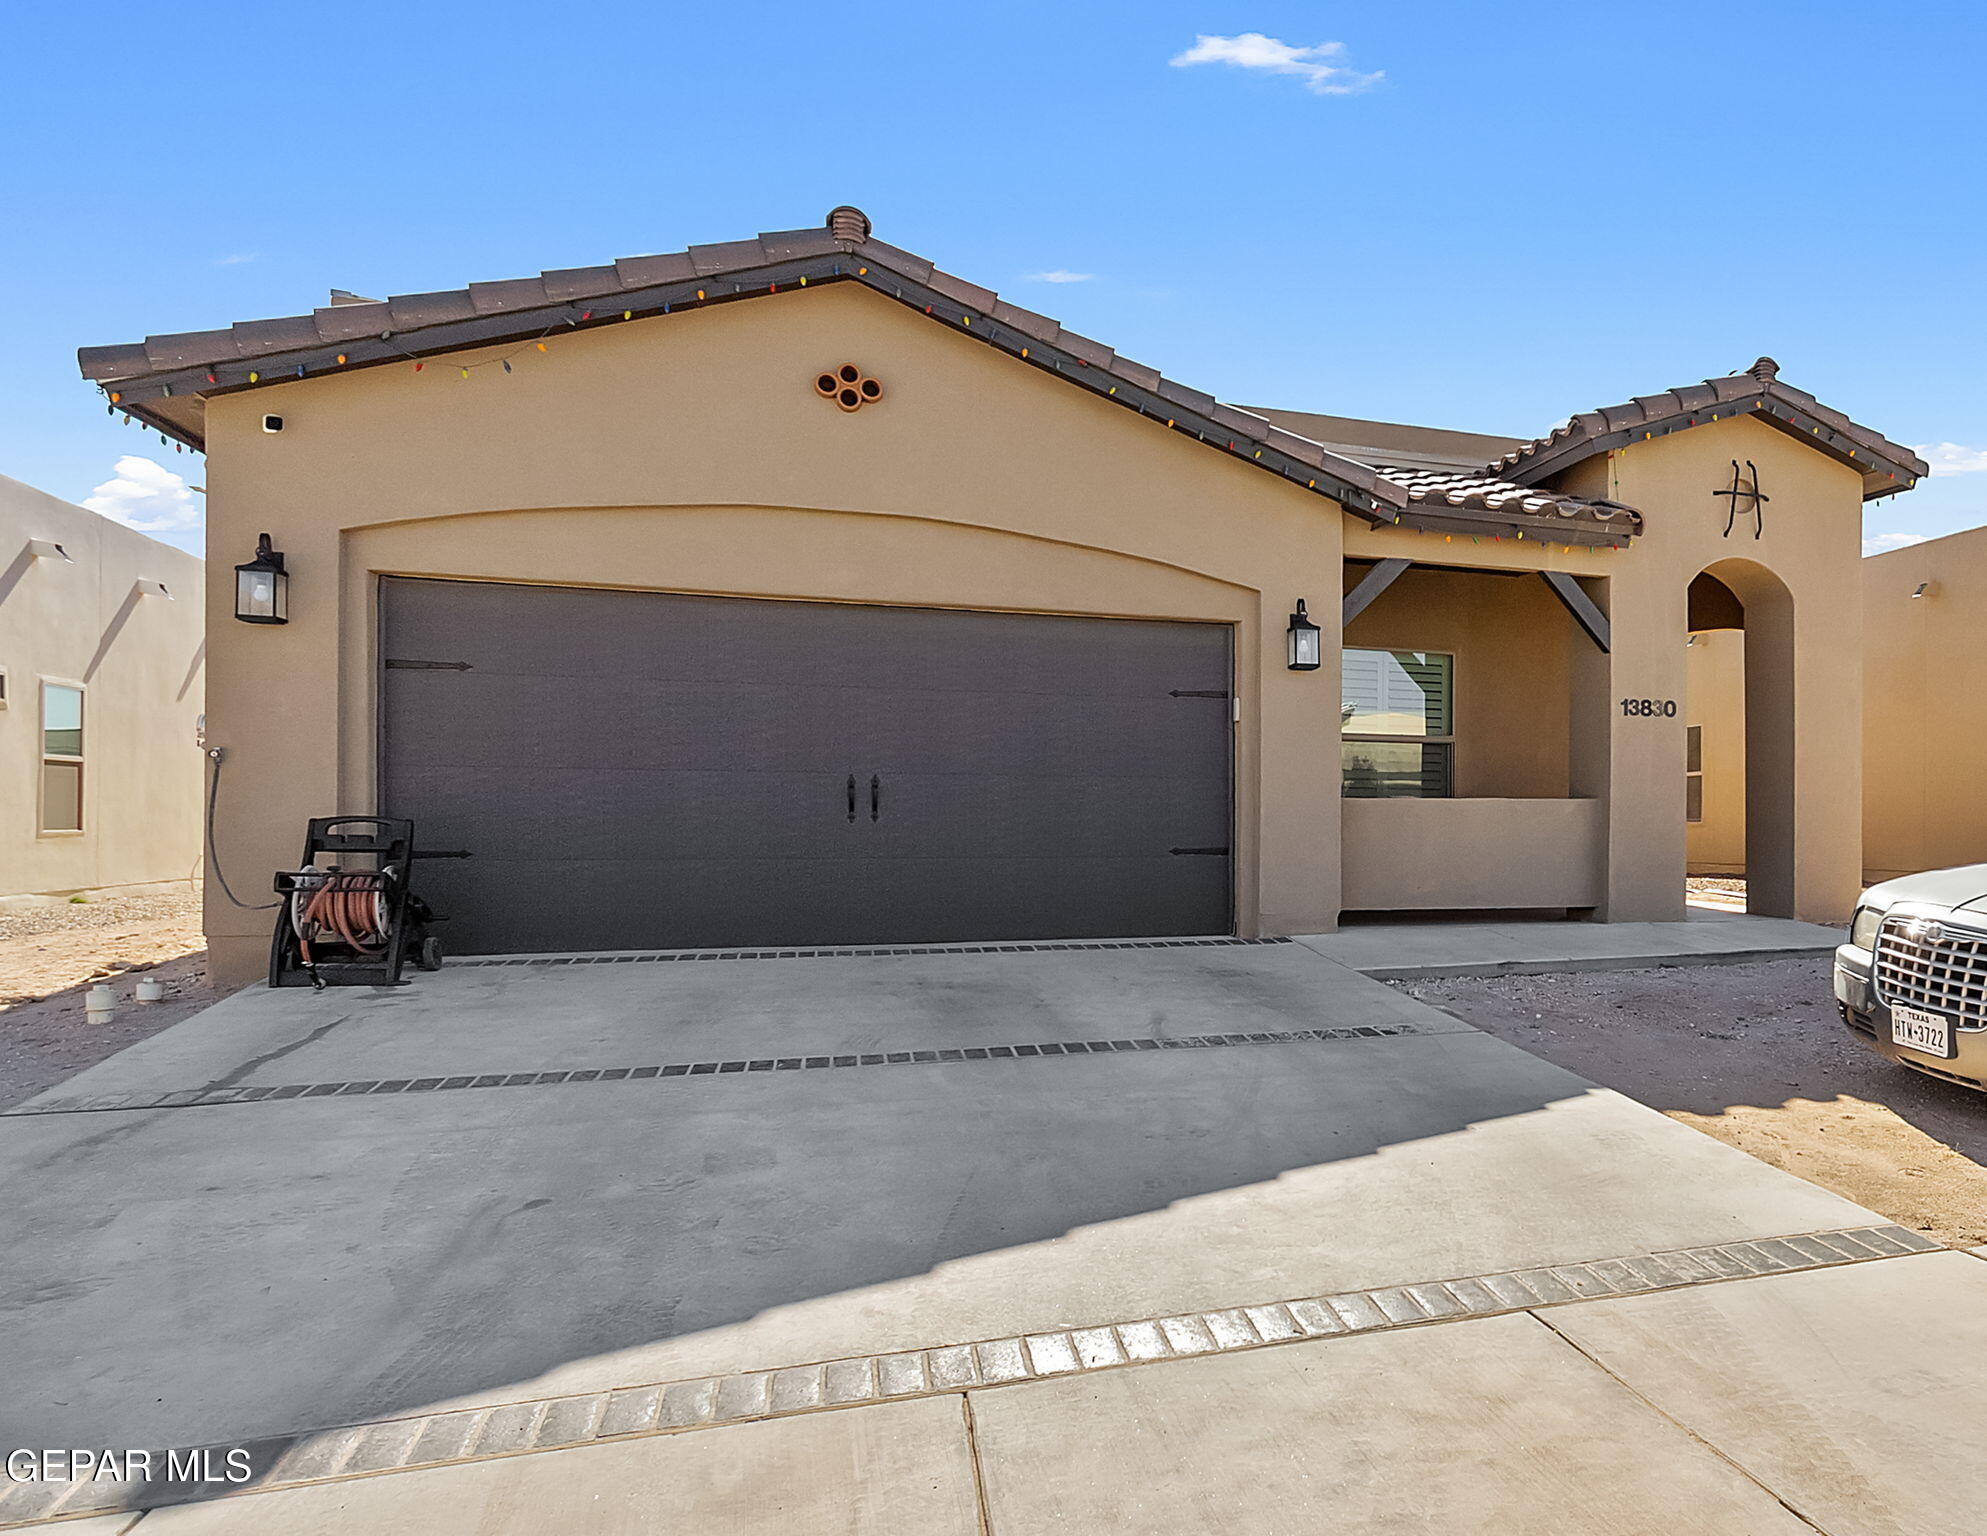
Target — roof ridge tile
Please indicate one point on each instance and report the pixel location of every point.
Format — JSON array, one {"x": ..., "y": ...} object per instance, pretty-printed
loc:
[
  {"x": 1888, "y": 466},
  {"x": 726, "y": 256},
  {"x": 644, "y": 271}
]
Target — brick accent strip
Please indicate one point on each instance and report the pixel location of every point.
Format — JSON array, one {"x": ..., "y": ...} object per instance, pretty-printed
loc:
[
  {"x": 475, "y": 1434},
  {"x": 190, "y": 1098},
  {"x": 888, "y": 952}
]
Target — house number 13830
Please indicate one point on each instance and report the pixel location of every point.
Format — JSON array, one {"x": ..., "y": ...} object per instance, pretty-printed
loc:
[{"x": 1648, "y": 708}]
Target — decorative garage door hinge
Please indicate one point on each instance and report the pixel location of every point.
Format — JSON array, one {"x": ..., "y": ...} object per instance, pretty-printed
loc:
[{"x": 428, "y": 666}]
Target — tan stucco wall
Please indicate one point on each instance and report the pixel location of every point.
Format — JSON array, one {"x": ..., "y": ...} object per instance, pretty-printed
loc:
[
  {"x": 1532, "y": 724},
  {"x": 690, "y": 453},
  {"x": 138, "y": 659},
  {"x": 1801, "y": 575},
  {"x": 1511, "y": 641},
  {"x": 1925, "y": 737},
  {"x": 1802, "y": 586},
  {"x": 1458, "y": 855},
  {"x": 1714, "y": 694}
]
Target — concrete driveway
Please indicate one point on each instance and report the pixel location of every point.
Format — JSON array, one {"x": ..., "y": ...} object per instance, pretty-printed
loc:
[{"x": 1175, "y": 1238}]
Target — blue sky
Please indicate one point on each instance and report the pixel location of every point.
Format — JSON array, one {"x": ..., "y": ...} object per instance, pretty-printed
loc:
[{"x": 1473, "y": 215}]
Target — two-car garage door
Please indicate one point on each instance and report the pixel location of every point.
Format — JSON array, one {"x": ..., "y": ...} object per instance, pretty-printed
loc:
[{"x": 642, "y": 771}]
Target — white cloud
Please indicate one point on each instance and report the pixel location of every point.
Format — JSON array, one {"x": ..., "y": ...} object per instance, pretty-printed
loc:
[
  {"x": 233, "y": 261},
  {"x": 1884, "y": 543},
  {"x": 1251, "y": 50},
  {"x": 1952, "y": 458},
  {"x": 1058, "y": 275},
  {"x": 147, "y": 496}
]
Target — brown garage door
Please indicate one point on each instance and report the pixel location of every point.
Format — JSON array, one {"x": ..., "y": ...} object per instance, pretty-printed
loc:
[{"x": 639, "y": 770}]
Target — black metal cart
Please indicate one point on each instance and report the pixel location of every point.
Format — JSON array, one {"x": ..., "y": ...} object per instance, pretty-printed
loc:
[{"x": 349, "y": 916}]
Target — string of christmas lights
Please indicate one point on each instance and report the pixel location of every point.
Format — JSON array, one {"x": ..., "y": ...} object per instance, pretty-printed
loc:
[{"x": 571, "y": 321}]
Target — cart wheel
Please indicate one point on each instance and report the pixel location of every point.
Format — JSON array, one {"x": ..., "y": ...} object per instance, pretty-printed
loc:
[{"x": 429, "y": 956}]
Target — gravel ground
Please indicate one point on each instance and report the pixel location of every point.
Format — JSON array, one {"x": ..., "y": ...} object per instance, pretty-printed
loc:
[
  {"x": 110, "y": 912},
  {"x": 50, "y": 955},
  {"x": 1756, "y": 1056}
]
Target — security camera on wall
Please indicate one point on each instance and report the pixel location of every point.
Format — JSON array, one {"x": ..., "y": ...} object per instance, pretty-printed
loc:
[{"x": 272, "y": 423}]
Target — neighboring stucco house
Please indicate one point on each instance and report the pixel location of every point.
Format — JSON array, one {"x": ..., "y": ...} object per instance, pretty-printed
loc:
[
  {"x": 1924, "y": 664},
  {"x": 101, "y": 661},
  {"x": 793, "y": 592}
]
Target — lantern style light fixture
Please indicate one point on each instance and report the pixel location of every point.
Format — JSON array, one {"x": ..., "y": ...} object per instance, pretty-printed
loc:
[
  {"x": 262, "y": 587},
  {"x": 1306, "y": 642}
]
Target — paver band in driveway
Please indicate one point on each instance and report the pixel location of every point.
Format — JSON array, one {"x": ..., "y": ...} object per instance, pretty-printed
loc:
[
  {"x": 893, "y": 952},
  {"x": 189, "y": 1098},
  {"x": 472, "y": 1434}
]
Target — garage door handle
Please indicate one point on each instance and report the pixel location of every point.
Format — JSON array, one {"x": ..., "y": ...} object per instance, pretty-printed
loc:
[
  {"x": 875, "y": 797},
  {"x": 852, "y": 797}
]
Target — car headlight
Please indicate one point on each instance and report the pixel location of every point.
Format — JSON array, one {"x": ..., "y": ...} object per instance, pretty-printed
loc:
[{"x": 1863, "y": 930}]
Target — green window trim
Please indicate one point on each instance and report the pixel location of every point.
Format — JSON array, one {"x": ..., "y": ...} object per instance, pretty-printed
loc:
[
  {"x": 1693, "y": 777},
  {"x": 1397, "y": 719}
]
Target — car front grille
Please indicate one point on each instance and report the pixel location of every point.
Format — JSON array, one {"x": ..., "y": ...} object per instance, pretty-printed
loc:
[{"x": 1946, "y": 974}]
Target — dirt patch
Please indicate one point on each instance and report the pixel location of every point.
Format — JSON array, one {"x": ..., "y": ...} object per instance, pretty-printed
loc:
[
  {"x": 1725, "y": 892},
  {"x": 1756, "y": 1056},
  {"x": 49, "y": 957}
]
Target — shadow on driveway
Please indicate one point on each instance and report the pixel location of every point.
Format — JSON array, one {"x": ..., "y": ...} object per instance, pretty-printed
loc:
[{"x": 203, "y": 1275}]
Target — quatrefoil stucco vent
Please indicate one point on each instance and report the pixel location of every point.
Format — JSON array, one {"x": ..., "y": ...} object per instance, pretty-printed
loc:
[{"x": 849, "y": 387}]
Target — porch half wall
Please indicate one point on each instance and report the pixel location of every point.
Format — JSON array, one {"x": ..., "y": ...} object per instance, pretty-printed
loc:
[{"x": 1458, "y": 855}]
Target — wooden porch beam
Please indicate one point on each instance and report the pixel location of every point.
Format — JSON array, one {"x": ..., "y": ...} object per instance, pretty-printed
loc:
[
  {"x": 1581, "y": 606},
  {"x": 1371, "y": 585}
]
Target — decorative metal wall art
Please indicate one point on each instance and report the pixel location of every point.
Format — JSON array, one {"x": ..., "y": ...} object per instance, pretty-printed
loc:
[{"x": 1746, "y": 498}]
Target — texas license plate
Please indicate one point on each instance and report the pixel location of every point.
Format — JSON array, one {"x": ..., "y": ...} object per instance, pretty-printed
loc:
[{"x": 1917, "y": 1030}]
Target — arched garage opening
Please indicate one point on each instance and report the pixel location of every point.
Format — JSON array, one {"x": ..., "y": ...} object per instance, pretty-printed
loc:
[{"x": 1739, "y": 713}]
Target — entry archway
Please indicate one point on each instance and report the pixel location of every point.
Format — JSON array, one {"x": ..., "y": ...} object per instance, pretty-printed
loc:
[{"x": 1745, "y": 596}]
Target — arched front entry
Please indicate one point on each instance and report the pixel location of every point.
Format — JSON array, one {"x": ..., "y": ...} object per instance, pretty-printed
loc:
[{"x": 1744, "y": 596}]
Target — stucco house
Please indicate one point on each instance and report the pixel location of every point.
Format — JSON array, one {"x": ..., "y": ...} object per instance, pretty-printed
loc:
[
  {"x": 1924, "y": 666},
  {"x": 792, "y": 591},
  {"x": 101, "y": 681}
]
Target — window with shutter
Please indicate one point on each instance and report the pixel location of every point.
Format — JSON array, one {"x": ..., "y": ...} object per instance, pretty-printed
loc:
[
  {"x": 1693, "y": 780},
  {"x": 1398, "y": 717}
]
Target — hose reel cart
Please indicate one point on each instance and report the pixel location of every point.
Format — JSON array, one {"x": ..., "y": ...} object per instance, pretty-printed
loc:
[{"x": 349, "y": 917}]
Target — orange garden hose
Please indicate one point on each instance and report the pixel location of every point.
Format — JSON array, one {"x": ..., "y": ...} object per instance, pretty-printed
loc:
[{"x": 347, "y": 907}]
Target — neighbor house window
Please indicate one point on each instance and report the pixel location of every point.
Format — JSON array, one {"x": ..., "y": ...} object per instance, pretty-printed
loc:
[
  {"x": 1399, "y": 723},
  {"x": 1693, "y": 773},
  {"x": 61, "y": 758}
]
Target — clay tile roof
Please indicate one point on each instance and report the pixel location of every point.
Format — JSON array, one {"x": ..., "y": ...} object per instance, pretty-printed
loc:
[
  {"x": 578, "y": 282},
  {"x": 639, "y": 271},
  {"x": 517, "y": 293},
  {"x": 342, "y": 322},
  {"x": 1758, "y": 391},
  {"x": 730, "y": 256},
  {"x": 1439, "y": 489},
  {"x": 165, "y": 381}
]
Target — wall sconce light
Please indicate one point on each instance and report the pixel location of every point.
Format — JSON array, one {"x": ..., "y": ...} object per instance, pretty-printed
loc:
[
  {"x": 1926, "y": 589},
  {"x": 1306, "y": 642},
  {"x": 262, "y": 587}
]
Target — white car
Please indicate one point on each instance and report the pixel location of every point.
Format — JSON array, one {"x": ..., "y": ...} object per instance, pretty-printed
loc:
[{"x": 1913, "y": 976}]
